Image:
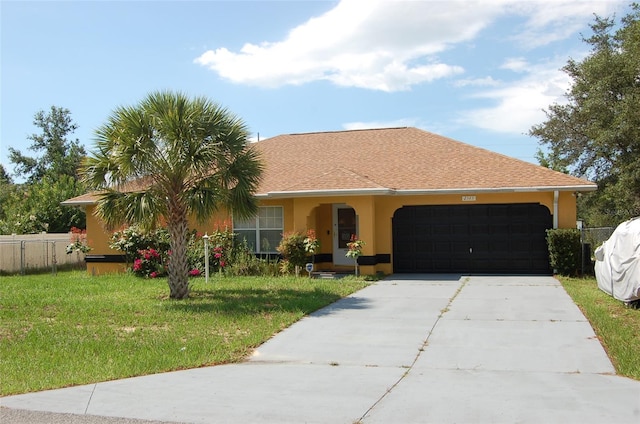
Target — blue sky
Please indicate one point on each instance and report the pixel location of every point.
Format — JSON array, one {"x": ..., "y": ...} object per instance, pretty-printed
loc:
[{"x": 479, "y": 72}]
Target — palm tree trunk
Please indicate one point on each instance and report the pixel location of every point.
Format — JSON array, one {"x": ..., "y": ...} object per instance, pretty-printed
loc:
[{"x": 178, "y": 267}]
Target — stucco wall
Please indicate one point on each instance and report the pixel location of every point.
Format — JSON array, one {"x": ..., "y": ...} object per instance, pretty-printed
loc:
[
  {"x": 375, "y": 214},
  {"x": 374, "y": 219},
  {"x": 99, "y": 237}
]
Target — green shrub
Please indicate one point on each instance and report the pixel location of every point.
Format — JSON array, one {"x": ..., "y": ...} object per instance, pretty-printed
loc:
[
  {"x": 245, "y": 263},
  {"x": 133, "y": 239},
  {"x": 221, "y": 251},
  {"x": 146, "y": 251},
  {"x": 149, "y": 253},
  {"x": 293, "y": 249},
  {"x": 150, "y": 263},
  {"x": 565, "y": 251}
]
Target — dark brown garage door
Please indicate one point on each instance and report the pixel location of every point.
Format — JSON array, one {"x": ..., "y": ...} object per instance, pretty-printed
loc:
[{"x": 500, "y": 239}]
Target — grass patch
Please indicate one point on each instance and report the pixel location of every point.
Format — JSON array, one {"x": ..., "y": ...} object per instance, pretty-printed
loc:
[
  {"x": 616, "y": 325},
  {"x": 72, "y": 328}
]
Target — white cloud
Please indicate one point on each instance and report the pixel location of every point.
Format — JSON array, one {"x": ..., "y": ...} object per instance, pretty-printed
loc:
[
  {"x": 393, "y": 45},
  {"x": 553, "y": 20},
  {"x": 380, "y": 45},
  {"x": 519, "y": 104},
  {"x": 405, "y": 122},
  {"x": 438, "y": 126},
  {"x": 516, "y": 64},
  {"x": 477, "y": 82}
]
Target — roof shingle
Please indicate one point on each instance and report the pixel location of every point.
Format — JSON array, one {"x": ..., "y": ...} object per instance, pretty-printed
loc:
[
  {"x": 390, "y": 161},
  {"x": 396, "y": 159}
]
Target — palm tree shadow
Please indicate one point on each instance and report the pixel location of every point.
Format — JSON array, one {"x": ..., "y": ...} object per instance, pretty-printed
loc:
[
  {"x": 347, "y": 303},
  {"x": 251, "y": 301}
]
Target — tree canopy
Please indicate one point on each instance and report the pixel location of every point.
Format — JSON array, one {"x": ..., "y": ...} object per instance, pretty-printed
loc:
[
  {"x": 4, "y": 176},
  {"x": 168, "y": 158},
  {"x": 34, "y": 208},
  {"x": 50, "y": 178},
  {"x": 596, "y": 133},
  {"x": 58, "y": 154}
]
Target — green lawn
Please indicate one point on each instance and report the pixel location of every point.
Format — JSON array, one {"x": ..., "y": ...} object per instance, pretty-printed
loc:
[
  {"x": 617, "y": 326},
  {"x": 72, "y": 328}
]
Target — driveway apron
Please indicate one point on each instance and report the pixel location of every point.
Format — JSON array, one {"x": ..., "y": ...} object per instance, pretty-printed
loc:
[{"x": 411, "y": 349}]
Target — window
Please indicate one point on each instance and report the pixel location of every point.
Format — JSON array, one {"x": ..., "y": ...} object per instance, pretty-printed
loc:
[{"x": 262, "y": 232}]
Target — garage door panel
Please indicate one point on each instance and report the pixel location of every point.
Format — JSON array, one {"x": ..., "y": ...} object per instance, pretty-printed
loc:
[
  {"x": 471, "y": 238},
  {"x": 520, "y": 246},
  {"x": 462, "y": 229},
  {"x": 499, "y": 230},
  {"x": 480, "y": 228},
  {"x": 520, "y": 263},
  {"x": 440, "y": 265},
  {"x": 496, "y": 246},
  {"x": 521, "y": 228},
  {"x": 441, "y": 230},
  {"x": 460, "y": 247},
  {"x": 423, "y": 246},
  {"x": 439, "y": 213},
  {"x": 491, "y": 266},
  {"x": 403, "y": 261},
  {"x": 422, "y": 226},
  {"x": 542, "y": 264},
  {"x": 499, "y": 211}
]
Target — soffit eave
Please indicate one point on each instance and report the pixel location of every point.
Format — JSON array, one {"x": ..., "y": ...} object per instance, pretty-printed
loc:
[
  {"x": 389, "y": 192},
  {"x": 79, "y": 202},
  {"x": 413, "y": 192}
]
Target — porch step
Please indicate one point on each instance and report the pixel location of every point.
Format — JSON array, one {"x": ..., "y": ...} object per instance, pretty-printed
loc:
[{"x": 328, "y": 275}]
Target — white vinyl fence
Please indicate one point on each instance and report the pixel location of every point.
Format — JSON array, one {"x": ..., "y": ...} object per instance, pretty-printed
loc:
[{"x": 23, "y": 253}]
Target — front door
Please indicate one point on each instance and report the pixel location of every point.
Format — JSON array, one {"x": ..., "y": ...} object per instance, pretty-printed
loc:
[{"x": 345, "y": 224}]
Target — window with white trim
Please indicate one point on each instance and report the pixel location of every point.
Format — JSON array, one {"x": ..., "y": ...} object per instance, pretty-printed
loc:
[{"x": 262, "y": 232}]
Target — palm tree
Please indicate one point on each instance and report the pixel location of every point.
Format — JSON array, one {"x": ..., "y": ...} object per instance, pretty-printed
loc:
[{"x": 168, "y": 158}]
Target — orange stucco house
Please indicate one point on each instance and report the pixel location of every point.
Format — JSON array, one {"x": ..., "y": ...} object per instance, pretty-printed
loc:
[{"x": 420, "y": 201}]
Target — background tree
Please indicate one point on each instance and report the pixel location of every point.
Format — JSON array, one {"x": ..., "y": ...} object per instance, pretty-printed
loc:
[
  {"x": 6, "y": 198},
  {"x": 58, "y": 154},
  {"x": 171, "y": 157},
  {"x": 596, "y": 134},
  {"x": 5, "y": 178},
  {"x": 34, "y": 206}
]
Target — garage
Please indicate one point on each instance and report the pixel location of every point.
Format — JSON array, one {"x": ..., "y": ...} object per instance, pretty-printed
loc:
[{"x": 474, "y": 239}]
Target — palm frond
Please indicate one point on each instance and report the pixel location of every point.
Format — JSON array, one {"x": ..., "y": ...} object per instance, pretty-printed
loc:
[
  {"x": 172, "y": 146},
  {"x": 118, "y": 208}
]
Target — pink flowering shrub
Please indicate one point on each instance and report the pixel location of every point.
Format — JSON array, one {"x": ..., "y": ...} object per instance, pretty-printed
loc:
[
  {"x": 221, "y": 246},
  {"x": 78, "y": 241},
  {"x": 218, "y": 256},
  {"x": 355, "y": 247},
  {"x": 149, "y": 251},
  {"x": 149, "y": 263}
]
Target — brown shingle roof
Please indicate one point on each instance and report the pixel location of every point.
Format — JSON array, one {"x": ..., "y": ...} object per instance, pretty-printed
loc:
[
  {"x": 390, "y": 161},
  {"x": 83, "y": 200},
  {"x": 396, "y": 160},
  {"x": 91, "y": 198}
]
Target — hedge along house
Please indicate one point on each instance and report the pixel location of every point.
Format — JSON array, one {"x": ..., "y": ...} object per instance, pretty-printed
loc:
[{"x": 421, "y": 203}]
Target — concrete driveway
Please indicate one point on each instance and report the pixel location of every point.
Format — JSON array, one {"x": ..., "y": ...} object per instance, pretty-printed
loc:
[{"x": 408, "y": 349}]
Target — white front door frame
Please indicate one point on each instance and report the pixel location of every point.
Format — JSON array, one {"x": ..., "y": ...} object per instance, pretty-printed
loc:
[{"x": 342, "y": 235}]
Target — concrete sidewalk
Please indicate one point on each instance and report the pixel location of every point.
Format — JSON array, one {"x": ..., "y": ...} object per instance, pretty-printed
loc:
[{"x": 410, "y": 349}]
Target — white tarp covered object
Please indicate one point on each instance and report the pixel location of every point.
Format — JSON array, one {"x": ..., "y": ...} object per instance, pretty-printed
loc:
[{"x": 618, "y": 262}]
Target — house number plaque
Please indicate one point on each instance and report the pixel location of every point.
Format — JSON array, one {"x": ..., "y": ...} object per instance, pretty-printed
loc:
[{"x": 468, "y": 198}]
